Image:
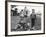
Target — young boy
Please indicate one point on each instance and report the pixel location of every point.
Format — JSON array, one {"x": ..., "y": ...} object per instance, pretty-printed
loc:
[{"x": 33, "y": 18}]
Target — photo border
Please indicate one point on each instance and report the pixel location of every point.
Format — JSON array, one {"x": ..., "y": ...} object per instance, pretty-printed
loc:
[{"x": 6, "y": 16}]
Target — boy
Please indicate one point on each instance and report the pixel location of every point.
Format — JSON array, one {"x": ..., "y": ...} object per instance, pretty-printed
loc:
[{"x": 33, "y": 18}]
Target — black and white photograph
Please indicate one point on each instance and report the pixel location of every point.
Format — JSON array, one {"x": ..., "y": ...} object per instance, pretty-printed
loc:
[{"x": 25, "y": 18}]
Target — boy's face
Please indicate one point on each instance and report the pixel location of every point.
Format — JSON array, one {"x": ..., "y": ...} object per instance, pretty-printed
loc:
[{"x": 33, "y": 11}]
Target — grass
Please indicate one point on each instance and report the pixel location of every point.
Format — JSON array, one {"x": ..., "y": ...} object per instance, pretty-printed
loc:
[{"x": 16, "y": 19}]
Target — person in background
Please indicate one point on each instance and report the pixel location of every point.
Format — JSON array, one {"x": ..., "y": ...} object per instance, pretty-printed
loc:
[
  {"x": 21, "y": 13},
  {"x": 33, "y": 18},
  {"x": 25, "y": 12},
  {"x": 15, "y": 12}
]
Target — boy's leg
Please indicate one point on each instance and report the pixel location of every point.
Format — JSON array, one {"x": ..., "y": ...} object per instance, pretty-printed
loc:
[{"x": 33, "y": 22}]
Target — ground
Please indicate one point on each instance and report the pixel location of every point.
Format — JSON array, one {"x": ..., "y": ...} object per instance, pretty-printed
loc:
[{"x": 16, "y": 19}]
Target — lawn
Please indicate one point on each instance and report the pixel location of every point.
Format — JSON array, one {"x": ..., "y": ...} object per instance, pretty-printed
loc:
[{"x": 16, "y": 19}]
